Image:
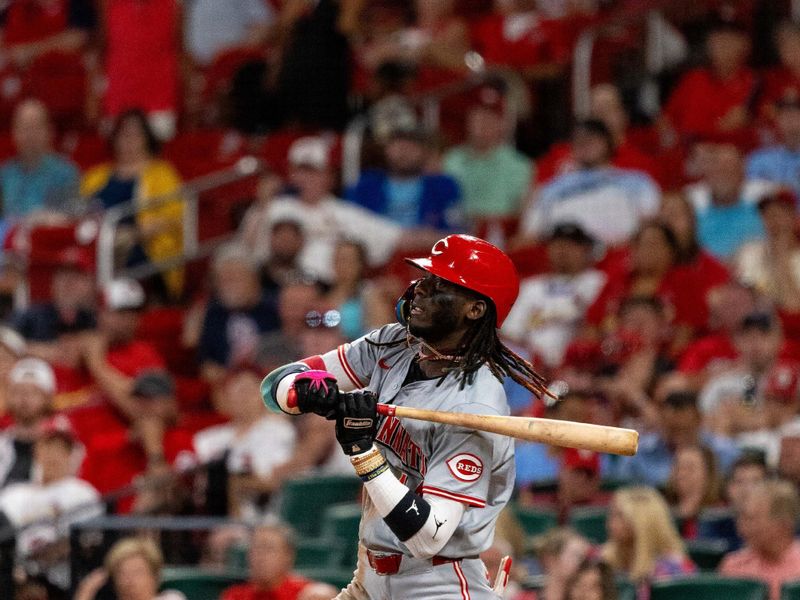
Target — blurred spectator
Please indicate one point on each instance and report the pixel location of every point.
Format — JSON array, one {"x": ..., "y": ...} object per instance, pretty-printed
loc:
[
  {"x": 296, "y": 301},
  {"x": 783, "y": 80},
  {"x": 749, "y": 470},
  {"x": 728, "y": 305},
  {"x": 134, "y": 567},
  {"x": 594, "y": 580},
  {"x": 220, "y": 542},
  {"x": 693, "y": 485},
  {"x": 238, "y": 314},
  {"x": 772, "y": 266},
  {"x": 767, "y": 523},
  {"x": 12, "y": 348},
  {"x": 48, "y": 506},
  {"x": 271, "y": 559},
  {"x": 142, "y": 51},
  {"x": 51, "y": 327},
  {"x": 494, "y": 177},
  {"x": 719, "y": 97},
  {"x": 325, "y": 218},
  {"x": 724, "y": 204},
  {"x": 255, "y": 219},
  {"x": 643, "y": 544},
  {"x": 212, "y": 28},
  {"x": 36, "y": 180},
  {"x": 623, "y": 197},
  {"x": 281, "y": 266},
  {"x": 155, "y": 232},
  {"x": 32, "y": 28},
  {"x": 780, "y": 164},
  {"x": 696, "y": 268},
  {"x": 112, "y": 355},
  {"x": 31, "y": 385},
  {"x": 550, "y": 307},
  {"x": 404, "y": 193},
  {"x": 778, "y": 412},
  {"x": 729, "y": 400},
  {"x": 155, "y": 445},
  {"x": 560, "y": 551},
  {"x": 518, "y": 36},
  {"x": 437, "y": 40},
  {"x": 579, "y": 481},
  {"x": 235, "y": 449},
  {"x": 680, "y": 425},
  {"x": 606, "y": 106},
  {"x": 313, "y": 80},
  {"x": 359, "y": 301}
]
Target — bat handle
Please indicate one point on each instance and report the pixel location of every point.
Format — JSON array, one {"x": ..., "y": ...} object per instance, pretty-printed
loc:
[{"x": 387, "y": 410}]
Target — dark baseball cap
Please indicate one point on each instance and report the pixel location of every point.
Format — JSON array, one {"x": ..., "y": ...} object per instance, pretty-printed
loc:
[
  {"x": 572, "y": 232},
  {"x": 757, "y": 320},
  {"x": 152, "y": 384}
]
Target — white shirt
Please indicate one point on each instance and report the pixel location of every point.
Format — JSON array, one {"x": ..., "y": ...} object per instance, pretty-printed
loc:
[
  {"x": 769, "y": 440},
  {"x": 549, "y": 309},
  {"x": 755, "y": 267},
  {"x": 59, "y": 505},
  {"x": 267, "y": 444},
  {"x": 327, "y": 222}
]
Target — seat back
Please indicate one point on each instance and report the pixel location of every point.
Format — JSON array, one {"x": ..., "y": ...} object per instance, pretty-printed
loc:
[
  {"x": 709, "y": 587},
  {"x": 304, "y": 500}
]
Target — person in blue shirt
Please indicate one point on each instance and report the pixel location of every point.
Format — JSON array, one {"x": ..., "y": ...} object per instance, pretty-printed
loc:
[
  {"x": 780, "y": 164},
  {"x": 680, "y": 426},
  {"x": 36, "y": 179},
  {"x": 725, "y": 205},
  {"x": 404, "y": 192}
]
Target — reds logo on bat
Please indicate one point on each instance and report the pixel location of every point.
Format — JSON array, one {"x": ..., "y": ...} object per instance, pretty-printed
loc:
[{"x": 465, "y": 467}]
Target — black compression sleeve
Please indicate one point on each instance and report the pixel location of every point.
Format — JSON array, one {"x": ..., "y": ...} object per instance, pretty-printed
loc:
[{"x": 409, "y": 516}]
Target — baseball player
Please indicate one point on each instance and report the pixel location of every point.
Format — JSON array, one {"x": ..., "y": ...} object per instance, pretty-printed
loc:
[{"x": 433, "y": 491}]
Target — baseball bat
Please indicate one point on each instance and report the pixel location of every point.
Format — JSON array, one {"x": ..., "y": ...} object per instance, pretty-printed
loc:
[{"x": 567, "y": 434}]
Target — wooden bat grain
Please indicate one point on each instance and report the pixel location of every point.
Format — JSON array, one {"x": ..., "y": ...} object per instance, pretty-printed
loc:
[{"x": 567, "y": 434}]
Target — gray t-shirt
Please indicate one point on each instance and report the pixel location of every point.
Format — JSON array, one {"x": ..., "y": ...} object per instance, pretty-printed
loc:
[{"x": 472, "y": 467}]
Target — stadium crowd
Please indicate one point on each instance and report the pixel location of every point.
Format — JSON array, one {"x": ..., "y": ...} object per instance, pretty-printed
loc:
[{"x": 656, "y": 234}]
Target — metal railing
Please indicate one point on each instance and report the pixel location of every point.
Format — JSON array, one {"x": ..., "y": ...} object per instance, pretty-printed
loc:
[{"x": 192, "y": 248}]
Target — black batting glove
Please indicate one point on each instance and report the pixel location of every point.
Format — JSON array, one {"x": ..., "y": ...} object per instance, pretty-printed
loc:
[
  {"x": 356, "y": 421},
  {"x": 316, "y": 392}
]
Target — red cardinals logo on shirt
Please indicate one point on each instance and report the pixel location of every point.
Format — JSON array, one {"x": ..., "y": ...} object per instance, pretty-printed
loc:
[{"x": 465, "y": 467}]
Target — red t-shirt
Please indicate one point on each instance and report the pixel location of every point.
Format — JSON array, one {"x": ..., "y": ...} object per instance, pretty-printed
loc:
[
  {"x": 113, "y": 460},
  {"x": 29, "y": 21},
  {"x": 777, "y": 83},
  {"x": 701, "y": 100},
  {"x": 134, "y": 358},
  {"x": 288, "y": 589},
  {"x": 142, "y": 56},
  {"x": 697, "y": 279},
  {"x": 520, "y": 42}
]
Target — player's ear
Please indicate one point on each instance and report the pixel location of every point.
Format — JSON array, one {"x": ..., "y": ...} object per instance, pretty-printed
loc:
[{"x": 476, "y": 309}]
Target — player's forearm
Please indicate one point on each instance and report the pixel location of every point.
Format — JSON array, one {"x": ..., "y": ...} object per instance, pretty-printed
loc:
[{"x": 424, "y": 525}]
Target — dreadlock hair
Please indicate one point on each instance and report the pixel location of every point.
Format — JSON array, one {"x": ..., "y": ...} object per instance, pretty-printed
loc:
[{"x": 481, "y": 345}]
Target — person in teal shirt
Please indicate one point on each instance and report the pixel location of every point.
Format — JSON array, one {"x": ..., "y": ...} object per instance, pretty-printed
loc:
[
  {"x": 36, "y": 179},
  {"x": 493, "y": 176}
]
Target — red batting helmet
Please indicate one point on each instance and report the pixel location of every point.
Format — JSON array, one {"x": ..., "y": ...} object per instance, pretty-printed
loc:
[{"x": 476, "y": 265}]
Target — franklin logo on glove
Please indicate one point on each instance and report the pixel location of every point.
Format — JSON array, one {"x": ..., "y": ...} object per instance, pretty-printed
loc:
[{"x": 357, "y": 423}]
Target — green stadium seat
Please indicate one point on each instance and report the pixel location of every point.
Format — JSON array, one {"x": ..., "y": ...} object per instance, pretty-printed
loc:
[
  {"x": 303, "y": 500},
  {"x": 612, "y": 485},
  {"x": 707, "y": 553},
  {"x": 199, "y": 584},
  {"x": 709, "y": 587},
  {"x": 340, "y": 530},
  {"x": 319, "y": 552},
  {"x": 337, "y": 577},
  {"x": 790, "y": 590},
  {"x": 236, "y": 557},
  {"x": 590, "y": 522},
  {"x": 536, "y": 520}
]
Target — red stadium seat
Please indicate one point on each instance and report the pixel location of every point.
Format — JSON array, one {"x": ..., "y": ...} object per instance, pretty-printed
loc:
[
  {"x": 7, "y": 149},
  {"x": 200, "y": 152},
  {"x": 60, "y": 80},
  {"x": 85, "y": 149}
]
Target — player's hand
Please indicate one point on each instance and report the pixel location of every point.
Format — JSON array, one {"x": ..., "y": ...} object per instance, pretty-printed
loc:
[
  {"x": 316, "y": 392},
  {"x": 356, "y": 421}
]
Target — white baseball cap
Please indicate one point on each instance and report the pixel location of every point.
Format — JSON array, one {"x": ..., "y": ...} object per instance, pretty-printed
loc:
[
  {"x": 123, "y": 294},
  {"x": 35, "y": 371},
  {"x": 311, "y": 151}
]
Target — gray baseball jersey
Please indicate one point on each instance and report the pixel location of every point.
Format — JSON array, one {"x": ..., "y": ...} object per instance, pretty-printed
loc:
[{"x": 472, "y": 467}]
